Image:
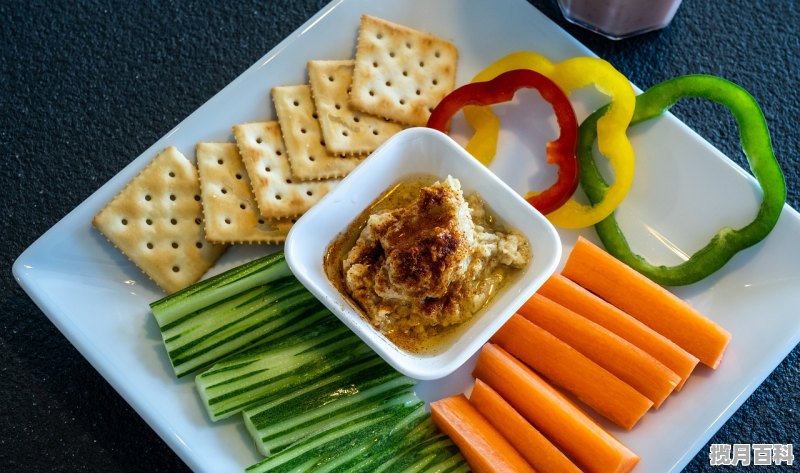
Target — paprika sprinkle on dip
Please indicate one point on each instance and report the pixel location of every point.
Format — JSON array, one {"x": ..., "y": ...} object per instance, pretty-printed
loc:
[{"x": 424, "y": 258}]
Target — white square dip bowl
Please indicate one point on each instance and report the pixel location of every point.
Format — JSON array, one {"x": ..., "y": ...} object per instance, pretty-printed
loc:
[{"x": 410, "y": 153}]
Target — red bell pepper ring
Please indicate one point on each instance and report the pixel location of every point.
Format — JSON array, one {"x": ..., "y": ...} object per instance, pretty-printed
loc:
[{"x": 502, "y": 88}]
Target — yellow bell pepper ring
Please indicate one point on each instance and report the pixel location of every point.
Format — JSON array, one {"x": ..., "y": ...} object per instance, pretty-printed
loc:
[{"x": 612, "y": 140}]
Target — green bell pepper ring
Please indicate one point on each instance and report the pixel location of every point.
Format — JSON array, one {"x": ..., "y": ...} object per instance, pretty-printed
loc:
[{"x": 757, "y": 148}]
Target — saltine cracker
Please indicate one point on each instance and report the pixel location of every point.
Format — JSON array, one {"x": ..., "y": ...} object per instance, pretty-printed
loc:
[
  {"x": 345, "y": 130},
  {"x": 401, "y": 73},
  {"x": 309, "y": 159},
  {"x": 264, "y": 156},
  {"x": 157, "y": 222},
  {"x": 231, "y": 212}
]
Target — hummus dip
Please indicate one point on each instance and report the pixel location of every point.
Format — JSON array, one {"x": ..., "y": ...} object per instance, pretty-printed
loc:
[{"x": 424, "y": 258}]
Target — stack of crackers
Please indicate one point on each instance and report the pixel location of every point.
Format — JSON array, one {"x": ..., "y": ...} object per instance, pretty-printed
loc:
[{"x": 174, "y": 220}]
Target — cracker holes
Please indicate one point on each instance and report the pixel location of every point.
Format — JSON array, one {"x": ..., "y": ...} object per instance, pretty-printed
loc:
[
  {"x": 199, "y": 245},
  {"x": 148, "y": 221},
  {"x": 402, "y": 101},
  {"x": 175, "y": 245},
  {"x": 197, "y": 198},
  {"x": 422, "y": 64},
  {"x": 375, "y": 132},
  {"x": 259, "y": 140},
  {"x": 279, "y": 153},
  {"x": 303, "y": 131},
  {"x": 435, "y": 81},
  {"x": 408, "y": 45},
  {"x": 148, "y": 197},
  {"x": 278, "y": 197},
  {"x": 261, "y": 221},
  {"x": 405, "y": 73},
  {"x": 198, "y": 221},
  {"x": 176, "y": 269},
  {"x": 388, "y": 83},
  {"x": 171, "y": 174},
  {"x": 288, "y": 181},
  {"x": 296, "y": 103},
  {"x": 372, "y": 93},
  {"x": 330, "y": 78},
  {"x": 315, "y": 116},
  {"x": 418, "y": 92},
  {"x": 309, "y": 193},
  {"x": 228, "y": 221},
  {"x": 345, "y": 133},
  {"x": 172, "y": 197},
  {"x": 243, "y": 206},
  {"x": 267, "y": 169},
  {"x": 149, "y": 245},
  {"x": 337, "y": 106},
  {"x": 221, "y": 162},
  {"x": 437, "y": 54},
  {"x": 239, "y": 176},
  {"x": 391, "y": 54},
  {"x": 224, "y": 190},
  {"x": 173, "y": 221},
  {"x": 374, "y": 63},
  {"x": 379, "y": 35},
  {"x": 356, "y": 119},
  {"x": 124, "y": 221},
  {"x": 311, "y": 158}
]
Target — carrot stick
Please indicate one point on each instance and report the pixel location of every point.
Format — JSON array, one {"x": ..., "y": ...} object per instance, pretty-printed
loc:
[
  {"x": 619, "y": 284},
  {"x": 480, "y": 443},
  {"x": 623, "y": 359},
  {"x": 592, "y": 448},
  {"x": 529, "y": 442},
  {"x": 574, "y": 297},
  {"x": 567, "y": 368}
]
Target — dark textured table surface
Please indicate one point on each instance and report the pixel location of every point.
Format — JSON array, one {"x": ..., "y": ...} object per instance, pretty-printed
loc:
[{"x": 87, "y": 86}]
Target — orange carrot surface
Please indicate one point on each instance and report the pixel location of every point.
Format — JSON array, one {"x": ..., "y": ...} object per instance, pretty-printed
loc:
[
  {"x": 529, "y": 442},
  {"x": 567, "y": 368},
  {"x": 591, "y": 448},
  {"x": 596, "y": 270},
  {"x": 577, "y": 299},
  {"x": 480, "y": 443},
  {"x": 623, "y": 359}
]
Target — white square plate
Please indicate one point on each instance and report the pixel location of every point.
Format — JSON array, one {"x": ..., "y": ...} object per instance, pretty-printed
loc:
[
  {"x": 683, "y": 192},
  {"x": 413, "y": 152}
]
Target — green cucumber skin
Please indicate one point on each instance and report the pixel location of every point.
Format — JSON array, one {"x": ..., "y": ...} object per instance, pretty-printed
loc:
[
  {"x": 282, "y": 346},
  {"x": 361, "y": 367},
  {"x": 455, "y": 464},
  {"x": 406, "y": 433},
  {"x": 329, "y": 417},
  {"x": 267, "y": 390},
  {"x": 397, "y": 403},
  {"x": 224, "y": 398},
  {"x": 415, "y": 452},
  {"x": 257, "y": 272},
  {"x": 232, "y": 336},
  {"x": 234, "y": 303},
  {"x": 463, "y": 467},
  {"x": 274, "y": 356},
  {"x": 326, "y": 447},
  {"x": 289, "y": 412},
  {"x": 365, "y": 367},
  {"x": 444, "y": 460}
]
